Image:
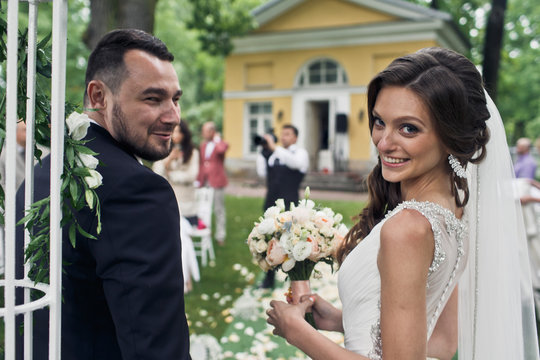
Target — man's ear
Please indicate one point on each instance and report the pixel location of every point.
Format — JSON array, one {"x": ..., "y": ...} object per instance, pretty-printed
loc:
[{"x": 97, "y": 94}]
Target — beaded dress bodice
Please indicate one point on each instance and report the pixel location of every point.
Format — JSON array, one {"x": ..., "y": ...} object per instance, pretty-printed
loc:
[{"x": 360, "y": 285}]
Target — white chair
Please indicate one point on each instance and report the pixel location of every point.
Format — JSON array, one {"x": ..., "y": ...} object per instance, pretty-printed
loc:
[{"x": 202, "y": 238}]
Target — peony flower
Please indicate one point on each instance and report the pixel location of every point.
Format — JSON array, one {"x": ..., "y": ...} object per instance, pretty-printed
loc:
[
  {"x": 77, "y": 125},
  {"x": 275, "y": 254},
  {"x": 280, "y": 203},
  {"x": 87, "y": 161},
  {"x": 288, "y": 265},
  {"x": 301, "y": 250},
  {"x": 272, "y": 212},
  {"x": 94, "y": 179},
  {"x": 267, "y": 226}
]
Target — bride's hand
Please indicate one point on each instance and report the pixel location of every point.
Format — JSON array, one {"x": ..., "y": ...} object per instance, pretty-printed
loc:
[
  {"x": 326, "y": 315},
  {"x": 285, "y": 317}
]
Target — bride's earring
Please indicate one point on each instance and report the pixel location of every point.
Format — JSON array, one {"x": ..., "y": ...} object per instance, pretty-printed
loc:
[{"x": 456, "y": 166}]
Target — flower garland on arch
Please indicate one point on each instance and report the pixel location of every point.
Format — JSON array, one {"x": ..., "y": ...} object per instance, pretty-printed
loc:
[{"x": 80, "y": 177}]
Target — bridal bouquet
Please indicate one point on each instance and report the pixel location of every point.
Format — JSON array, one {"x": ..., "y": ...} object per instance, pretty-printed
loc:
[{"x": 295, "y": 240}]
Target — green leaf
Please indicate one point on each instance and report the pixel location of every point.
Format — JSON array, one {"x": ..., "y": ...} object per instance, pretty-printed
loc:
[
  {"x": 81, "y": 171},
  {"x": 84, "y": 233},
  {"x": 84, "y": 150},
  {"x": 72, "y": 234},
  {"x": 74, "y": 190},
  {"x": 70, "y": 156}
]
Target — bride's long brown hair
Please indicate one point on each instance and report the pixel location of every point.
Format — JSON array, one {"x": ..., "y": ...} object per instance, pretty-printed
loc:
[{"x": 451, "y": 88}]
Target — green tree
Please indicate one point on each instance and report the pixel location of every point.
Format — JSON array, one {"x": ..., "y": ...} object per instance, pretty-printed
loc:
[{"x": 218, "y": 21}]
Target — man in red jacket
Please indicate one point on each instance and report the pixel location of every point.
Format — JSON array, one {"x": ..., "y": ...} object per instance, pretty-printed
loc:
[{"x": 212, "y": 173}]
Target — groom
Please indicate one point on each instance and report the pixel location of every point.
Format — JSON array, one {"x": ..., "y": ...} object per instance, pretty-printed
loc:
[{"x": 123, "y": 293}]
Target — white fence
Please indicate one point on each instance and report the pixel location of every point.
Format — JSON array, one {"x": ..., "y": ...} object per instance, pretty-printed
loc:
[{"x": 52, "y": 297}]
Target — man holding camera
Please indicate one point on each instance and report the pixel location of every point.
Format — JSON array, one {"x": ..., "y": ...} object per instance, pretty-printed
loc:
[{"x": 284, "y": 168}]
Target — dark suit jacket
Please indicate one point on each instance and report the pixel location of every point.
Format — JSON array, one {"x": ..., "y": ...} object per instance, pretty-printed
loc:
[
  {"x": 212, "y": 170},
  {"x": 123, "y": 293}
]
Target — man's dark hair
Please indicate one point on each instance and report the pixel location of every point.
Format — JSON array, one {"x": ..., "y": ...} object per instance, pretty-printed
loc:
[
  {"x": 292, "y": 127},
  {"x": 106, "y": 62}
]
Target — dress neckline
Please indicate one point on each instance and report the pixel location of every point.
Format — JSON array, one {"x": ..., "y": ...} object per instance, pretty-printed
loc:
[{"x": 407, "y": 203}]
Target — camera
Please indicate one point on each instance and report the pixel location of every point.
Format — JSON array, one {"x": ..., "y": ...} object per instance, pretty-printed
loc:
[{"x": 260, "y": 140}]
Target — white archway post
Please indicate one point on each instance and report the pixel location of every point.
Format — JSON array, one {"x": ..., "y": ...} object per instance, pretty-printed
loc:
[{"x": 52, "y": 291}]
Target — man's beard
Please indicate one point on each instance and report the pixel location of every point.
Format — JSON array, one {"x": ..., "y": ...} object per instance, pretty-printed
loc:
[{"x": 134, "y": 142}]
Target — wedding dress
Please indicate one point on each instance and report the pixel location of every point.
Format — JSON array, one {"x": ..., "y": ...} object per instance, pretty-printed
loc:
[{"x": 360, "y": 286}]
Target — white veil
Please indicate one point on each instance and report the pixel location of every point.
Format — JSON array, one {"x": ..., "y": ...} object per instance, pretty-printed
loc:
[{"x": 496, "y": 308}]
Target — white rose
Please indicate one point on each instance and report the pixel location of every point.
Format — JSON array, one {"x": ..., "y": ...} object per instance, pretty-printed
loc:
[
  {"x": 302, "y": 250},
  {"x": 288, "y": 265},
  {"x": 77, "y": 125},
  {"x": 327, "y": 231},
  {"x": 261, "y": 246},
  {"x": 272, "y": 212},
  {"x": 302, "y": 215},
  {"x": 306, "y": 203},
  {"x": 329, "y": 212},
  {"x": 267, "y": 226},
  {"x": 338, "y": 218},
  {"x": 342, "y": 230},
  {"x": 280, "y": 203},
  {"x": 87, "y": 161},
  {"x": 94, "y": 179},
  {"x": 322, "y": 219}
]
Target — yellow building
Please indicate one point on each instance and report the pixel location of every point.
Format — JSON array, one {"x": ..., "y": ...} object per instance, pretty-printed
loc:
[{"x": 308, "y": 63}]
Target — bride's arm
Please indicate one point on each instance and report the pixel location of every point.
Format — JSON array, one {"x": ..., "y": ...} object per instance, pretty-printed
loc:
[
  {"x": 288, "y": 321},
  {"x": 444, "y": 341},
  {"x": 405, "y": 254}
]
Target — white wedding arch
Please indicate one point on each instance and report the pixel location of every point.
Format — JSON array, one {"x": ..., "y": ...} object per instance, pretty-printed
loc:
[{"x": 52, "y": 292}]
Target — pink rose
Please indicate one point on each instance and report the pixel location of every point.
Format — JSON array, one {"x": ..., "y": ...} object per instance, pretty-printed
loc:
[{"x": 275, "y": 254}]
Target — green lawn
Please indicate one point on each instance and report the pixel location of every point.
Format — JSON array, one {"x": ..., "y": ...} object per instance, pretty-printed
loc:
[{"x": 208, "y": 304}]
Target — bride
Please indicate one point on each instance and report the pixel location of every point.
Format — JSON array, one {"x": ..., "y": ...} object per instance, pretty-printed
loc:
[{"x": 438, "y": 256}]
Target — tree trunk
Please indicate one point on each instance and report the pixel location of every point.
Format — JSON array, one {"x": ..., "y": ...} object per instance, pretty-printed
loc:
[
  {"x": 492, "y": 46},
  {"x": 107, "y": 15},
  {"x": 137, "y": 14},
  {"x": 434, "y": 4}
]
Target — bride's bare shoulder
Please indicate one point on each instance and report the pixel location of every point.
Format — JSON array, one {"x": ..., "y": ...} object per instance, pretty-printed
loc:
[{"x": 407, "y": 235}]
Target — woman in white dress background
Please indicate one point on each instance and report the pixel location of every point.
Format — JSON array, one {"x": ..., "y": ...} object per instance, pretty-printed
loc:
[
  {"x": 401, "y": 262},
  {"x": 181, "y": 168}
]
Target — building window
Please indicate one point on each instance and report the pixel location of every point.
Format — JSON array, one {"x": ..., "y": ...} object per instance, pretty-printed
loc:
[
  {"x": 259, "y": 122},
  {"x": 322, "y": 72}
]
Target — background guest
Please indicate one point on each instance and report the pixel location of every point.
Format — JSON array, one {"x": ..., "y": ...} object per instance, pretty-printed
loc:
[
  {"x": 181, "y": 168},
  {"x": 284, "y": 168},
  {"x": 212, "y": 173}
]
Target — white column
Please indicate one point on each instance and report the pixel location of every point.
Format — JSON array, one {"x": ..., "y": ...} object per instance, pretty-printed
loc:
[{"x": 59, "y": 39}]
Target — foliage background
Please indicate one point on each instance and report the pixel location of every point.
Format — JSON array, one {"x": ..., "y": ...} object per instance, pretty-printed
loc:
[{"x": 194, "y": 30}]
